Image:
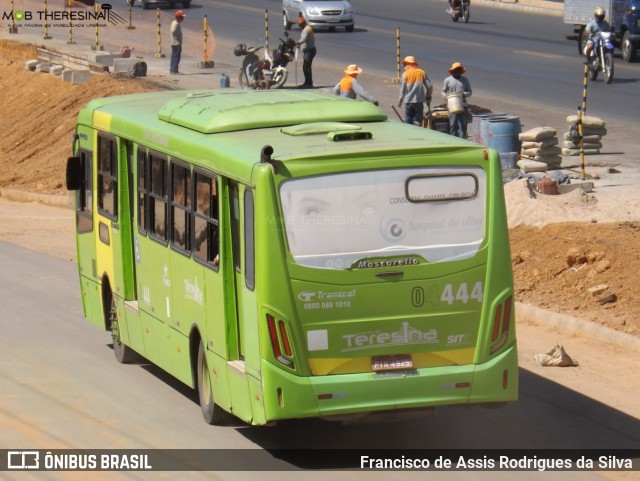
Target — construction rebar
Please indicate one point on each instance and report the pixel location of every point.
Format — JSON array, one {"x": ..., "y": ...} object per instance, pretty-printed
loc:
[
  {"x": 266, "y": 30},
  {"x": 46, "y": 23},
  {"x": 205, "y": 62},
  {"x": 130, "y": 27},
  {"x": 97, "y": 46},
  {"x": 159, "y": 54},
  {"x": 582, "y": 111},
  {"x": 13, "y": 28},
  {"x": 398, "y": 78},
  {"x": 70, "y": 40}
]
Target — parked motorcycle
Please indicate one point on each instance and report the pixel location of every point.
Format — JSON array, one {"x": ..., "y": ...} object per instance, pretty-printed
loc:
[
  {"x": 460, "y": 9},
  {"x": 268, "y": 72},
  {"x": 600, "y": 58}
]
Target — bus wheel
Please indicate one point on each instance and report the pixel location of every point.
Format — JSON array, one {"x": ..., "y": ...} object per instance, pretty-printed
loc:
[
  {"x": 124, "y": 354},
  {"x": 211, "y": 412}
]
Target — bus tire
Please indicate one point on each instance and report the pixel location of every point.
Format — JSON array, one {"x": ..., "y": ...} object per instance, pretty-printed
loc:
[
  {"x": 124, "y": 354},
  {"x": 211, "y": 412}
]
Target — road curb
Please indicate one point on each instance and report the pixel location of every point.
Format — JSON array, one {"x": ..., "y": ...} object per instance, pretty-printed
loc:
[{"x": 527, "y": 312}]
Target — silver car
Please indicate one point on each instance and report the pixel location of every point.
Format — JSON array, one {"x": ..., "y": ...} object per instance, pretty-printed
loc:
[{"x": 319, "y": 13}]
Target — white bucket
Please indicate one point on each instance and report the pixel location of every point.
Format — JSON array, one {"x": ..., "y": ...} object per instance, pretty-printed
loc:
[{"x": 455, "y": 103}]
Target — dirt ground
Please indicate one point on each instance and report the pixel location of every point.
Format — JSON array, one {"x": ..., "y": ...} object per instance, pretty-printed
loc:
[{"x": 585, "y": 269}]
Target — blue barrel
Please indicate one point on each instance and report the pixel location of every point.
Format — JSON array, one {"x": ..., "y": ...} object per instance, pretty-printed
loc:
[
  {"x": 224, "y": 81},
  {"x": 503, "y": 133},
  {"x": 484, "y": 126},
  {"x": 476, "y": 131}
]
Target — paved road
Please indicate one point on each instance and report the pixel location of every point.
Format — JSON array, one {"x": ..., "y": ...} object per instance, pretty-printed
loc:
[{"x": 60, "y": 387}]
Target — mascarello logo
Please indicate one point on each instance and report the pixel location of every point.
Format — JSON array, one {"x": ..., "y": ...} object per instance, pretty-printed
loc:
[{"x": 83, "y": 13}]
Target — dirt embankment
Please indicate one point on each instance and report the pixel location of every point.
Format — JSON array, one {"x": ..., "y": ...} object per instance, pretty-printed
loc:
[{"x": 587, "y": 270}]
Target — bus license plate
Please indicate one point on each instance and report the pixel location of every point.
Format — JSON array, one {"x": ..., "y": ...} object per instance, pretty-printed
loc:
[{"x": 388, "y": 363}]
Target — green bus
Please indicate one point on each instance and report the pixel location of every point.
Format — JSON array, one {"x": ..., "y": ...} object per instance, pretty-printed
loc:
[{"x": 295, "y": 254}]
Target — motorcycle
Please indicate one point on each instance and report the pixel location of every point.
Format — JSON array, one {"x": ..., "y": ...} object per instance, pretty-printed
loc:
[
  {"x": 600, "y": 58},
  {"x": 269, "y": 72},
  {"x": 460, "y": 9}
]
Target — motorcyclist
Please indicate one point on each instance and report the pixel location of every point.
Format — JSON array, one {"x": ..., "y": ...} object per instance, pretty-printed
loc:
[
  {"x": 453, "y": 6},
  {"x": 595, "y": 27}
]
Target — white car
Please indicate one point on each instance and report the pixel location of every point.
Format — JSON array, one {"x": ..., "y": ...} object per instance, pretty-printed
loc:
[{"x": 319, "y": 13}]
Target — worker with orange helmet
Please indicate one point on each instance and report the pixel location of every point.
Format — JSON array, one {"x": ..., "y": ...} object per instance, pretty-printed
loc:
[
  {"x": 415, "y": 91},
  {"x": 349, "y": 86}
]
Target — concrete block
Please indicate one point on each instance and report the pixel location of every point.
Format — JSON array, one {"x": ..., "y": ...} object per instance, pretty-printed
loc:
[
  {"x": 80, "y": 76},
  {"x": 31, "y": 64},
  {"x": 67, "y": 74},
  {"x": 43, "y": 67},
  {"x": 103, "y": 58},
  {"x": 566, "y": 188},
  {"x": 124, "y": 64},
  {"x": 56, "y": 70}
]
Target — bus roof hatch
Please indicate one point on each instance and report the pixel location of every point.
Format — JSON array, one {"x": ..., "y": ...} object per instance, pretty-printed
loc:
[{"x": 211, "y": 112}]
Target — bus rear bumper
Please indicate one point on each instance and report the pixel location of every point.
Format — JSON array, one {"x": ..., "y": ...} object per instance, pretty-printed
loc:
[{"x": 346, "y": 396}]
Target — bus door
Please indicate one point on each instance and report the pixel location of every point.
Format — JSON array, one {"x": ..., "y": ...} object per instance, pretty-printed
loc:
[
  {"x": 238, "y": 381},
  {"x": 85, "y": 229},
  {"x": 114, "y": 243}
]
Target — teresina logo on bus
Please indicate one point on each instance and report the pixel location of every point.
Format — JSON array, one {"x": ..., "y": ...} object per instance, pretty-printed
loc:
[
  {"x": 406, "y": 261},
  {"x": 405, "y": 336}
]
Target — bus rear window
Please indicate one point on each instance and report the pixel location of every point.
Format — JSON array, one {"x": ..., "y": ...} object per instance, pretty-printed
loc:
[{"x": 334, "y": 221}]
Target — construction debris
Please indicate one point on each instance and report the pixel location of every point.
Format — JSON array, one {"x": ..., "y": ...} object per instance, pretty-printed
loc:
[{"x": 557, "y": 357}]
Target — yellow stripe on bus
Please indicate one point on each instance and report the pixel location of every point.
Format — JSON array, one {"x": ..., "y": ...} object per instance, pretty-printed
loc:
[
  {"x": 102, "y": 121},
  {"x": 323, "y": 367}
]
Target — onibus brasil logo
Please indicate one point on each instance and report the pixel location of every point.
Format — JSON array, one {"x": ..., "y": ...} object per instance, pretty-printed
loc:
[{"x": 100, "y": 13}]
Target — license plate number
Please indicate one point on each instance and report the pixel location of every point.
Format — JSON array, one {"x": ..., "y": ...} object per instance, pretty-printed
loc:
[
  {"x": 389, "y": 363},
  {"x": 333, "y": 20}
]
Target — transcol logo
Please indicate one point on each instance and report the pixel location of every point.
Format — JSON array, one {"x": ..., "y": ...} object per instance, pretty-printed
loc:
[{"x": 308, "y": 296}]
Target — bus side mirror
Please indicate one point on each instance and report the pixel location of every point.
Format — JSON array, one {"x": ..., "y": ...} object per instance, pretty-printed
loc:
[{"x": 74, "y": 173}]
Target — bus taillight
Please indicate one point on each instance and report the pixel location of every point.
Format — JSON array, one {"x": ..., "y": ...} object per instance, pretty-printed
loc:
[
  {"x": 501, "y": 321},
  {"x": 275, "y": 341},
  {"x": 507, "y": 315},
  {"x": 285, "y": 338},
  {"x": 497, "y": 321}
]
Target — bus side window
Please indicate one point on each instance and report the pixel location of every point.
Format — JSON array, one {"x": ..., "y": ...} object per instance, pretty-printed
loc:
[
  {"x": 181, "y": 207},
  {"x": 107, "y": 177},
  {"x": 158, "y": 198},
  {"x": 206, "y": 238},
  {"x": 85, "y": 194},
  {"x": 143, "y": 191},
  {"x": 249, "y": 241}
]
